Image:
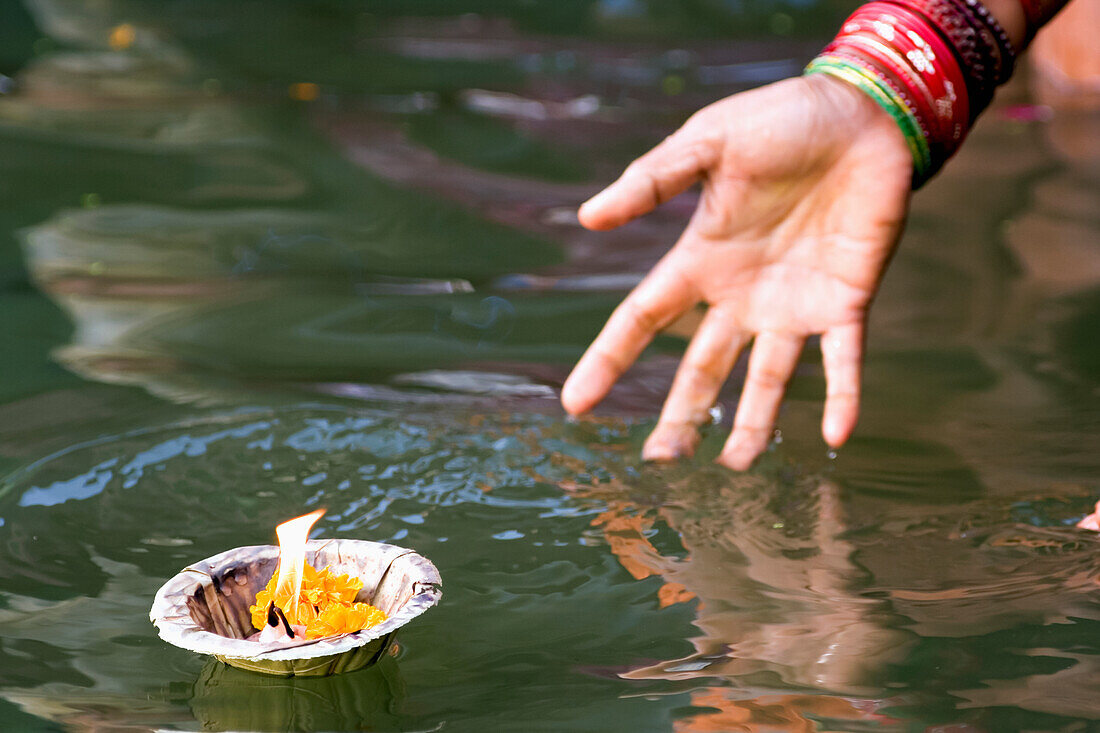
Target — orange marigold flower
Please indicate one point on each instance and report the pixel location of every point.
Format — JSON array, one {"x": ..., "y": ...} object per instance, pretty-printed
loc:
[
  {"x": 341, "y": 588},
  {"x": 326, "y": 604},
  {"x": 344, "y": 619}
]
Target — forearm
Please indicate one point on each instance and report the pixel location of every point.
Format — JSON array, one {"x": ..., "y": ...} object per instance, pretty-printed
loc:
[
  {"x": 1021, "y": 20},
  {"x": 1010, "y": 14}
]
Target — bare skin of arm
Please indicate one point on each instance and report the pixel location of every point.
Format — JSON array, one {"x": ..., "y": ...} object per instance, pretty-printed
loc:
[{"x": 805, "y": 189}]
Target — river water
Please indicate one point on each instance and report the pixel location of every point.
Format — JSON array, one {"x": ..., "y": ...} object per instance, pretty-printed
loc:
[{"x": 259, "y": 258}]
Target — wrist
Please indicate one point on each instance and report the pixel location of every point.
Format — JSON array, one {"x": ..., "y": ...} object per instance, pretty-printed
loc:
[
  {"x": 884, "y": 94},
  {"x": 861, "y": 116},
  {"x": 849, "y": 102}
]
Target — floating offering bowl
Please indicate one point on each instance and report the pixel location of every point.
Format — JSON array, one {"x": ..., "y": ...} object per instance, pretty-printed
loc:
[{"x": 205, "y": 607}]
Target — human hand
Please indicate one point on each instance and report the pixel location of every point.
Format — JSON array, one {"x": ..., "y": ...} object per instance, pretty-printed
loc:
[{"x": 805, "y": 188}]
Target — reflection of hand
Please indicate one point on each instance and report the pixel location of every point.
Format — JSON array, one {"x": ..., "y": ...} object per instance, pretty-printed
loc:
[
  {"x": 805, "y": 188},
  {"x": 785, "y": 601}
]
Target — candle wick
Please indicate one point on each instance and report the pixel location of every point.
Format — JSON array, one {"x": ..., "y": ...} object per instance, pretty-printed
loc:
[{"x": 275, "y": 616}]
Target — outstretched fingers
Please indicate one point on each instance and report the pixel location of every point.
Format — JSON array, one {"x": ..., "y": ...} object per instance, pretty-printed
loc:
[
  {"x": 842, "y": 355},
  {"x": 705, "y": 368},
  {"x": 771, "y": 364},
  {"x": 659, "y": 175},
  {"x": 657, "y": 301}
]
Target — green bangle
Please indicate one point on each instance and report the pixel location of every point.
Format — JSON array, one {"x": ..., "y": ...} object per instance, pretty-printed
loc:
[{"x": 887, "y": 98}]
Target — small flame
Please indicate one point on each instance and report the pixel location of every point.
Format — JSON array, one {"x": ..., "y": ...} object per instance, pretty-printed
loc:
[{"x": 292, "y": 536}]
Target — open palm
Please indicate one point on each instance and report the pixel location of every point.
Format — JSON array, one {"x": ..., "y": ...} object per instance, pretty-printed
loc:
[{"x": 805, "y": 189}]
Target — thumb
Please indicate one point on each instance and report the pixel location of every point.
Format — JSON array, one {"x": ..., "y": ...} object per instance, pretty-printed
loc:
[{"x": 659, "y": 175}]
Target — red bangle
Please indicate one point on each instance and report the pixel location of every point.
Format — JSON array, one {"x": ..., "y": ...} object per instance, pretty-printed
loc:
[
  {"x": 917, "y": 95},
  {"x": 937, "y": 66},
  {"x": 904, "y": 43},
  {"x": 973, "y": 44}
]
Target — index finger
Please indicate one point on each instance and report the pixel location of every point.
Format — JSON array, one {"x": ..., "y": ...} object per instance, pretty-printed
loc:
[
  {"x": 659, "y": 175},
  {"x": 662, "y": 296}
]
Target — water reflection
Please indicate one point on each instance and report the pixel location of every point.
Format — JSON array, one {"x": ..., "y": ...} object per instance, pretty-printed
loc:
[
  {"x": 777, "y": 592},
  {"x": 225, "y": 698},
  {"x": 794, "y": 586},
  {"x": 796, "y": 568}
]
